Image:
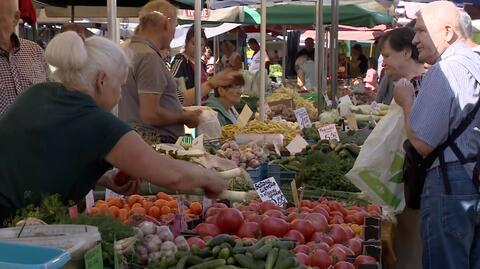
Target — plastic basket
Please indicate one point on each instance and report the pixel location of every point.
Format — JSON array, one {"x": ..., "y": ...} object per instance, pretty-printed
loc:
[
  {"x": 76, "y": 239},
  {"x": 281, "y": 175},
  {"x": 25, "y": 256},
  {"x": 258, "y": 174}
]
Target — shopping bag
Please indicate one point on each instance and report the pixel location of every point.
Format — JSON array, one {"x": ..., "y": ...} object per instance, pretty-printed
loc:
[
  {"x": 209, "y": 125},
  {"x": 378, "y": 170}
]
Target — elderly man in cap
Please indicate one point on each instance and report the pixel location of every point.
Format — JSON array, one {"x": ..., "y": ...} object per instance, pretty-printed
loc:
[
  {"x": 450, "y": 203},
  {"x": 22, "y": 62}
]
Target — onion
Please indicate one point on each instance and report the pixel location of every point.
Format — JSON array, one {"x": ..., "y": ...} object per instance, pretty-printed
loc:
[
  {"x": 152, "y": 242},
  {"x": 138, "y": 233},
  {"x": 254, "y": 163},
  {"x": 147, "y": 227},
  {"x": 168, "y": 249},
  {"x": 182, "y": 243},
  {"x": 164, "y": 233},
  {"x": 141, "y": 250},
  {"x": 154, "y": 256}
]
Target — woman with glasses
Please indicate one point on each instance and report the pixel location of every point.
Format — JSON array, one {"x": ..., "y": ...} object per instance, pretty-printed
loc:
[{"x": 225, "y": 99}]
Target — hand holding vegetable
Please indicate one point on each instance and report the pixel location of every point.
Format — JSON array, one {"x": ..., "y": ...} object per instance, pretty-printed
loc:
[{"x": 122, "y": 184}]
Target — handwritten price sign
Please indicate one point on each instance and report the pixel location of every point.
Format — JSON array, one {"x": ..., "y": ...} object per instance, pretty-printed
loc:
[
  {"x": 302, "y": 118},
  {"x": 268, "y": 190},
  {"x": 328, "y": 132}
]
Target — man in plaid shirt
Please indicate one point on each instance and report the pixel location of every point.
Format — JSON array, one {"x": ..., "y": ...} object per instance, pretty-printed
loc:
[{"x": 22, "y": 62}]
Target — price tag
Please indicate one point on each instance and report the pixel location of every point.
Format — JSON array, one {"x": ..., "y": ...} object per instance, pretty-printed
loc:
[
  {"x": 352, "y": 122},
  {"x": 198, "y": 143},
  {"x": 73, "y": 212},
  {"x": 328, "y": 132},
  {"x": 302, "y": 118},
  {"x": 111, "y": 194},
  {"x": 93, "y": 258},
  {"x": 277, "y": 148},
  {"x": 268, "y": 190},
  {"x": 293, "y": 186},
  {"x": 244, "y": 117},
  {"x": 89, "y": 200},
  {"x": 297, "y": 145}
]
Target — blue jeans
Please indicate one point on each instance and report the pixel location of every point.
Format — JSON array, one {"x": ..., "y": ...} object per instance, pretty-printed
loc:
[{"x": 450, "y": 224}]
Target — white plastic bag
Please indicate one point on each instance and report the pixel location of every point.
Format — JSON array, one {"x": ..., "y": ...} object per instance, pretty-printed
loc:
[
  {"x": 209, "y": 125},
  {"x": 378, "y": 170}
]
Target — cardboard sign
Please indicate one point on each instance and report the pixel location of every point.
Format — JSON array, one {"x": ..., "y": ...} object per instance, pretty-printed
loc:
[
  {"x": 198, "y": 143},
  {"x": 244, "y": 117},
  {"x": 352, "y": 122},
  {"x": 297, "y": 145},
  {"x": 93, "y": 258},
  {"x": 289, "y": 103},
  {"x": 89, "y": 200},
  {"x": 328, "y": 132},
  {"x": 268, "y": 190},
  {"x": 302, "y": 118}
]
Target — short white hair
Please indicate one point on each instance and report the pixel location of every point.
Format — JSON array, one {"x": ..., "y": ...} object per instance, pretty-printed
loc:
[
  {"x": 78, "y": 62},
  {"x": 466, "y": 23}
]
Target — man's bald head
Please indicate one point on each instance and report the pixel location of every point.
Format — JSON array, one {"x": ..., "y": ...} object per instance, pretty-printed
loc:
[
  {"x": 438, "y": 27},
  {"x": 9, "y": 17}
]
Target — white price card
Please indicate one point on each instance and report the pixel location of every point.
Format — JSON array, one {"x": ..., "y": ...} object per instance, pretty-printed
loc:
[
  {"x": 302, "y": 118},
  {"x": 328, "y": 132},
  {"x": 268, "y": 190},
  {"x": 110, "y": 194},
  {"x": 297, "y": 145},
  {"x": 244, "y": 116},
  {"x": 198, "y": 142},
  {"x": 89, "y": 200}
]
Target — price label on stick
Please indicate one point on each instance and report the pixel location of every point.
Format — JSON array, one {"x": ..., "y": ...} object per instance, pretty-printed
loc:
[
  {"x": 268, "y": 190},
  {"x": 297, "y": 145},
  {"x": 328, "y": 132},
  {"x": 293, "y": 186},
  {"x": 244, "y": 116},
  {"x": 89, "y": 200},
  {"x": 198, "y": 143},
  {"x": 302, "y": 118}
]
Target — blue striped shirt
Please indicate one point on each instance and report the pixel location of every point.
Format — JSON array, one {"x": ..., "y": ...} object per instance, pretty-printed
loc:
[{"x": 448, "y": 92}]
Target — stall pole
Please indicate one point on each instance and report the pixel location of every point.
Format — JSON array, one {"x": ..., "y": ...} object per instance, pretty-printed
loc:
[
  {"x": 319, "y": 55},
  {"x": 263, "y": 51},
  {"x": 112, "y": 27},
  {"x": 284, "y": 53},
  {"x": 334, "y": 51},
  {"x": 198, "y": 52},
  {"x": 216, "y": 51}
]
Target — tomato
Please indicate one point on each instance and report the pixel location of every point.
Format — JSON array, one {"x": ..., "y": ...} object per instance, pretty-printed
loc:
[
  {"x": 302, "y": 248},
  {"x": 229, "y": 220},
  {"x": 206, "y": 229},
  {"x": 336, "y": 206},
  {"x": 338, "y": 254},
  {"x": 295, "y": 235},
  {"x": 267, "y": 205},
  {"x": 219, "y": 205},
  {"x": 319, "y": 221},
  {"x": 321, "y": 210},
  {"x": 305, "y": 209},
  {"x": 292, "y": 209},
  {"x": 212, "y": 211},
  {"x": 355, "y": 244},
  {"x": 326, "y": 207},
  {"x": 364, "y": 259},
  {"x": 343, "y": 265},
  {"x": 320, "y": 259},
  {"x": 274, "y": 213},
  {"x": 292, "y": 216},
  {"x": 321, "y": 237},
  {"x": 337, "y": 219},
  {"x": 274, "y": 226},
  {"x": 245, "y": 208},
  {"x": 338, "y": 234},
  {"x": 195, "y": 241},
  {"x": 211, "y": 219},
  {"x": 349, "y": 231},
  {"x": 306, "y": 203},
  {"x": 249, "y": 229},
  {"x": 320, "y": 245},
  {"x": 254, "y": 218},
  {"x": 374, "y": 210},
  {"x": 304, "y": 226},
  {"x": 303, "y": 258}
]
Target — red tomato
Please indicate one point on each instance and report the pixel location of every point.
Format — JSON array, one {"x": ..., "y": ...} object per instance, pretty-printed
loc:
[
  {"x": 336, "y": 206},
  {"x": 274, "y": 213},
  {"x": 305, "y": 209},
  {"x": 245, "y": 208},
  {"x": 211, "y": 219},
  {"x": 274, "y": 226},
  {"x": 355, "y": 244},
  {"x": 219, "y": 205},
  {"x": 320, "y": 259},
  {"x": 364, "y": 259},
  {"x": 292, "y": 216},
  {"x": 254, "y": 218},
  {"x": 374, "y": 210},
  {"x": 303, "y": 258},
  {"x": 207, "y": 229},
  {"x": 249, "y": 229},
  {"x": 302, "y": 248},
  {"x": 296, "y": 235},
  {"x": 345, "y": 248},
  {"x": 343, "y": 265},
  {"x": 337, "y": 219},
  {"x": 349, "y": 231},
  {"x": 304, "y": 226},
  {"x": 229, "y": 220},
  {"x": 320, "y": 209},
  {"x": 338, "y": 234},
  {"x": 321, "y": 245},
  {"x": 321, "y": 237},
  {"x": 267, "y": 205},
  {"x": 326, "y": 207},
  {"x": 306, "y": 203},
  {"x": 212, "y": 211},
  {"x": 195, "y": 241},
  {"x": 338, "y": 253},
  {"x": 319, "y": 221},
  {"x": 292, "y": 209}
]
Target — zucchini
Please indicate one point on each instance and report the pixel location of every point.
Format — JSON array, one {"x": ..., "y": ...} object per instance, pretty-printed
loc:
[
  {"x": 209, "y": 264},
  {"x": 244, "y": 261},
  {"x": 288, "y": 263},
  {"x": 182, "y": 262},
  {"x": 271, "y": 258},
  {"x": 262, "y": 252},
  {"x": 219, "y": 239},
  {"x": 193, "y": 260}
]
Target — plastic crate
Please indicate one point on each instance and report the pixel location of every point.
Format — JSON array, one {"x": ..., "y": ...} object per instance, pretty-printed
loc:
[
  {"x": 25, "y": 256},
  {"x": 258, "y": 174},
  {"x": 281, "y": 175},
  {"x": 76, "y": 239}
]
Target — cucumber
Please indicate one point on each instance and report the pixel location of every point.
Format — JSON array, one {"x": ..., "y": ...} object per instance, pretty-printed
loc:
[
  {"x": 271, "y": 258},
  {"x": 284, "y": 244},
  {"x": 216, "y": 250},
  {"x": 282, "y": 255},
  {"x": 209, "y": 264},
  {"x": 193, "y": 260},
  {"x": 288, "y": 263},
  {"x": 182, "y": 262},
  {"x": 181, "y": 254},
  {"x": 163, "y": 263},
  {"x": 228, "y": 267},
  {"x": 244, "y": 261},
  {"x": 257, "y": 245},
  {"x": 259, "y": 264},
  {"x": 219, "y": 239},
  {"x": 262, "y": 252},
  {"x": 224, "y": 253},
  {"x": 231, "y": 261},
  {"x": 240, "y": 250},
  {"x": 171, "y": 261},
  {"x": 238, "y": 244},
  {"x": 204, "y": 253},
  {"x": 226, "y": 245}
]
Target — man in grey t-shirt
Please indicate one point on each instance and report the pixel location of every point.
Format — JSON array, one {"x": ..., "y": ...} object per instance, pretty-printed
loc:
[{"x": 149, "y": 99}]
